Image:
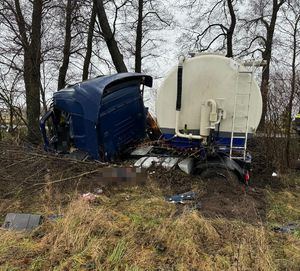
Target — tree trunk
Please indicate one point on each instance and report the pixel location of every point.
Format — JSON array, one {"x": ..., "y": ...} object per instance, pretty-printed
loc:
[
  {"x": 264, "y": 88},
  {"x": 67, "y": 45},
  {"x": 293, "y": 90},
  {"x": 1, "y": 121},
  {"x": 32, "y": 61},
  {"x": 11, "y": 119},
  {"x": 43, "y": 98},
  {"x": 230, "y": 31},
  {"x": 267, "y": 54},
  {"x": 88, "y": 55},
  {"x": 139, "y": 38},
  {"x": 109, "y": 37}
]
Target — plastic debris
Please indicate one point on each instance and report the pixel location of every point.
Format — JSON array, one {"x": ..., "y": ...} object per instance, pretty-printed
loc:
[
  {"x": 182, "y": 198},
  {"x": 274, "y": 174},
  {"x": 20, "y": 222},
  {"x": 89, "y": 196},
  {"x": 98, "y": 191},
  {"x": 289, "y": 228}
]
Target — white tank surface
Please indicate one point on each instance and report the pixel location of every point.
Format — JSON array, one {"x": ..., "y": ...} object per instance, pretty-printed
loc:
[{"x": 217, "y": 93}]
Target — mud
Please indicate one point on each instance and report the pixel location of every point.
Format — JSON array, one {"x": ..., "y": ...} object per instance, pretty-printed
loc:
[
  {"x": 217, "y": 197},
  {"x": 234, "y": 202}
]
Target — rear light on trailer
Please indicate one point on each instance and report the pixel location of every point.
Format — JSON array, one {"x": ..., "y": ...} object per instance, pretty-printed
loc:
[{"x": 247, "y": 177}]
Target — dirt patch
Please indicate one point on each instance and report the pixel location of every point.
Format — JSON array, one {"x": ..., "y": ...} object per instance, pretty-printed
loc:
[
  {"x": 223, "y": 199},
  {"x": 29, "y": 177},
  {"x": 217, "y": 197}
]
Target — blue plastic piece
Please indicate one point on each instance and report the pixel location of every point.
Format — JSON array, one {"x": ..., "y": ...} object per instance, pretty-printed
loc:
[
  {"x": 182, "y": 198},
  {"x": 106, "y": 114}
]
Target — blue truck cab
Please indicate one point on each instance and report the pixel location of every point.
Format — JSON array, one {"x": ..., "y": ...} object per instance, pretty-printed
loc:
[{"x": 100, "y": 117}]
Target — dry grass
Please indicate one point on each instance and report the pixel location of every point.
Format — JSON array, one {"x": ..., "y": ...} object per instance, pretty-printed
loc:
[
  {"x": 284, "y": 208},
  {"x": 142, "y": 234},
  {"x": 133, "y": 228}
]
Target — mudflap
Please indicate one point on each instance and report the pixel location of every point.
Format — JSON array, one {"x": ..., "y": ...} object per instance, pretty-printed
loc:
[{"x": 223, "y": 166}]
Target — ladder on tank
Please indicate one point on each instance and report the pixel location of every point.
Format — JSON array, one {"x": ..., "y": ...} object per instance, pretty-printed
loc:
[{"x": 240, "y": 120}]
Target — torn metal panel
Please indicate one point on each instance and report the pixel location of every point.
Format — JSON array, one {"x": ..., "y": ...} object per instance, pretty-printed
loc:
[
  {"x": 169, "y": 162},
  {"x": 146, "y": 162},
  {"x": 14, "y": 221},
  {"x": 186, "y": 165},
  {"x": 141, "y": 151},
  {"x": 166, "y": 162}
]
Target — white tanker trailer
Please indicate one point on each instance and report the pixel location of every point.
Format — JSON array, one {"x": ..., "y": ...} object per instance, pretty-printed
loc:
[
  {"x": 209, "y": 94},
  {"x": 212, "y": 104}
]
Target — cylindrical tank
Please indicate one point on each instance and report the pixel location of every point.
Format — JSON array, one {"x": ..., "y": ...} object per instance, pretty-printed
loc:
[{"x": 213, "y": 85}]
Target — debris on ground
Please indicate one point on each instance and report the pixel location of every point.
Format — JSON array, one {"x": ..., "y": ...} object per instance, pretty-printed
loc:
[
  {"x": 20, "y": 222},
  {"x": 186, "y": 165},
  {"x": 90, "y": 197},
  {"x": 182, "y": 198},
  {"x": 98, "y": 191},
  {"x": 289, "y": 228},
  {"x": 165, "y": 162}
]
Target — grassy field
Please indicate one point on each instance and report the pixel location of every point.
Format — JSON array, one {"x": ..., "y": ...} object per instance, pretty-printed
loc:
[{"x": 130, "y": 226}]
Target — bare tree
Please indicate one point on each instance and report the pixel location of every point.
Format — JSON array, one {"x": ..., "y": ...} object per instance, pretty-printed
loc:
[
  {"x": 28, "y": 37},
  {"x": 214, "y": 24},
  {"x": 291, "y": 30},
  {"x": 267, "y": 13},
  {"x": 71, "y": 8},
  {"x": 139, "y": 37},
  {"x": 9, "y": 97},
  {"x": 109, "y": 36},
  {"x": 89, "y": 47},
  {"x": 141, "y": 27},
  {"x": 150, "y": 17}
]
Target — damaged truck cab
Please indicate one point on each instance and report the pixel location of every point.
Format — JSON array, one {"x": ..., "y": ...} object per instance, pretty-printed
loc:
[{"x": 98, "y": 117}]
